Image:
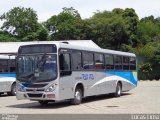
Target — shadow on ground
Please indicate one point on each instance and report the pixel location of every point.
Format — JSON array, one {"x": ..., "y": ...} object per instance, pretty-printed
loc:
[
  {"x": 5, "y": 95},
  {"x": 63, "y": 104}
]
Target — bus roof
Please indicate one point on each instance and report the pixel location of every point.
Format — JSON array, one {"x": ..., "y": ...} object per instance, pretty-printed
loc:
[
  {"x": 89, "y": 45},
  {"x": 12, "y": 47}
]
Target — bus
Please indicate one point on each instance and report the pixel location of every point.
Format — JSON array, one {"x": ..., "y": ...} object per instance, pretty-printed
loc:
[
  {"x": 7, "y": 74},
  {"x": 71, "y": 71}
]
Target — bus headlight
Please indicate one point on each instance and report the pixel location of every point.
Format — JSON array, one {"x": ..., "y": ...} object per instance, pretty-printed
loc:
[
  {"x": 50, "y": 89},
  {"x": 21, "y": 88}
]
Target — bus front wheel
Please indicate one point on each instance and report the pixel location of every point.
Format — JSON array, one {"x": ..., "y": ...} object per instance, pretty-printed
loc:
[
  {"x": 77, "y": 96},
  {"x": 13, "y": 90}
]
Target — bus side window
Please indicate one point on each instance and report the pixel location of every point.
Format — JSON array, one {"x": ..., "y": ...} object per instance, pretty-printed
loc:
[
  {"x": 109, "y": 62},
  {"x": 125, "y": 63},
  {"x": 3, "y": 65},
  {"x": 88, "y": 62},
  {"x": 132, "y": 62},
  {"x": 65, "y": 64},
  {"x": 76, "y": 60},
  {"x": 118, "y": 62},
  {"x": 12, "y": 66},
  {"x": 99, "y": 61}
]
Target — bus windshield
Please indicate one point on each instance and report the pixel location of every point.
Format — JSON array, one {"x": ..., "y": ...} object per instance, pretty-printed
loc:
[{"x": 37, "y": 68}]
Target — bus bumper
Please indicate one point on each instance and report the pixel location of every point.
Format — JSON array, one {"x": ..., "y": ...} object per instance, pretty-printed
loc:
[{"x": 36, "y": 96}]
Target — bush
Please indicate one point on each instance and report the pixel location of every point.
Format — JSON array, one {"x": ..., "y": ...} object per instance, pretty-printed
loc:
[{"x": 145, "y": 70}]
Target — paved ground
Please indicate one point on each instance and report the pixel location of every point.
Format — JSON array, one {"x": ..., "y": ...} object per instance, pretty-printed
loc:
[{"x": 143, "y": 99}]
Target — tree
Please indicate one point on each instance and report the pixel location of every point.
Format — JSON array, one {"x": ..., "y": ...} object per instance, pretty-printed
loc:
[
  {"x": 51, "y": 25},
  {"x": 40, "y": 35},
  {"x": 63, "y": 26},
  {"x": 109, "y": 29},
  {"x": 72, "y": 12},
  {"x": 149, "y": 18},
  {"x": 148, "y": 31},
  {"x": 20, "y": 21},
  {"x": 131, "y": 21}
]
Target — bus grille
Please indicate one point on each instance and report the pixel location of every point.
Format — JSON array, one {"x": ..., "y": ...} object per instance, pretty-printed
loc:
[
  {"x": 31, "y": 90},
  {"x": 36, "y": 85},
  {"x": 34, "y": 95}
]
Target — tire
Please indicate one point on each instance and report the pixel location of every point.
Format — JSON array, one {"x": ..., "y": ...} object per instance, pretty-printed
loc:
[
  {"x": 77, "y": 97},
  {"x": 118, "y": 92},
  {"x": 13, "y": 90},
  {"x": 43, "y": 102}
]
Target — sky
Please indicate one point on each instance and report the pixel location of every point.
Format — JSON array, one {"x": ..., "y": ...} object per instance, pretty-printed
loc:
[{"x": 47, "y": 8}]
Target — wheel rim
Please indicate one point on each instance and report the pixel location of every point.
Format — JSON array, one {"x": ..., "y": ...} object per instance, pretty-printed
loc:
[
  {"x": 78, "y": 95},
  {"x": 14, "y": 89},
  {"x": 119, "y": 90}
]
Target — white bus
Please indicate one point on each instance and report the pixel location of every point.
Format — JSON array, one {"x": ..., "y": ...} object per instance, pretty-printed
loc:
[
  {"x": 8, "y": 51},
  {"x": 7, "y": 74},
  {"x": 72, "y": 70}
]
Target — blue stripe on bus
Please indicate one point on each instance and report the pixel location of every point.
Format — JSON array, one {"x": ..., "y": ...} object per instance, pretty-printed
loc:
[
  {"x": 126, "y": 75},
  {"x": 8, "y": 75}
]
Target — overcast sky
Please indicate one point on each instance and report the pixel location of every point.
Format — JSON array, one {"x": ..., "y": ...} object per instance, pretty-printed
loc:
[{"x": 46, "y": 8}]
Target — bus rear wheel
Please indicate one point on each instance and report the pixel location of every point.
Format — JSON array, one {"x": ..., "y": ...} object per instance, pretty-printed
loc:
[
  {"x": 118, "y": 92},
  {"x": 77, "y": 96}
]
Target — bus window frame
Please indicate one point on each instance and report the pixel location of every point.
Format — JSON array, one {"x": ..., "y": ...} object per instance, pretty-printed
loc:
[
  {"x": 64, "y": 72},
  {"x": 135, "y": 64},
  {"x": 104, "y": 68},
  {"x": 112, "y": 64},
  {"x": 93, "y": 61},
  {"x": 125, "y": 63},
  {"x": 118, "y": 64},
  {"x": 81, "y": 68}
]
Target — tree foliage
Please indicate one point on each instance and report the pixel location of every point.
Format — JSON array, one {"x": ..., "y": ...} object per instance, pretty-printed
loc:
[
  {"x": 20, "y": 21},
  {"x": 63, "y": 26},
  {"x": 112, "y": 29},
  {"x": 5, "y": 37}
]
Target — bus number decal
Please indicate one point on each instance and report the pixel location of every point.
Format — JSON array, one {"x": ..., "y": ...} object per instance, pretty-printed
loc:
[{"x": 88, "y": 76}]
